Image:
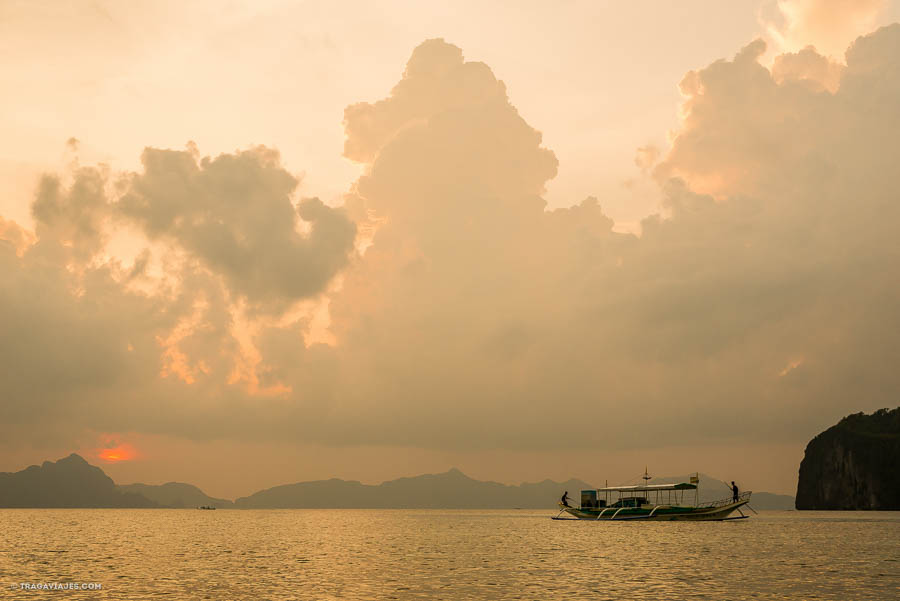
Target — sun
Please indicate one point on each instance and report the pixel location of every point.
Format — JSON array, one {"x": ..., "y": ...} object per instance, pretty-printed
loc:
[{"x": 121, "y": 452}]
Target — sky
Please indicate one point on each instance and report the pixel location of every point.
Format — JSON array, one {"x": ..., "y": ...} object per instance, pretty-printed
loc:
[{"x": 252, "y": 243}]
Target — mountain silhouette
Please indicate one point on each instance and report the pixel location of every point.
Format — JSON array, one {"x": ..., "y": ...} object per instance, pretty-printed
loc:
[
  {"x": 73, "y": 482},
  {"x": 713, "y": 489},
  {"x": 177, "y": 495},
  {"x": 69, "y": 482},
  {"x": 448, "y": 490}
]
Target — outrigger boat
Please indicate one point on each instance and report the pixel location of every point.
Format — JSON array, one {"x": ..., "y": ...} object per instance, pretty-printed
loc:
[{"x": 653, "y": 502}]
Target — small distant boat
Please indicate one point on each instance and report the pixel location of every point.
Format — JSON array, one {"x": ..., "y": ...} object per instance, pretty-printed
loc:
[
  {"x": 206, "y": 507},
  {"x": 656, "y": 502}
]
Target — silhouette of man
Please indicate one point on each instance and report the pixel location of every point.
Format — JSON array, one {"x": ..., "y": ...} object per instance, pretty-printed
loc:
[
  {"x": 565, "y": 499},
  {"x": 734, "y": 492}
]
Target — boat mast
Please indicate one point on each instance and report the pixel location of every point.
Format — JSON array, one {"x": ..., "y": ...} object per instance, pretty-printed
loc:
[{"x": 646, "y": 478}]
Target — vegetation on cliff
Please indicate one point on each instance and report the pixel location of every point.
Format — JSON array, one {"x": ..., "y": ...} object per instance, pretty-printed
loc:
[{"x": 855, "y": 464}]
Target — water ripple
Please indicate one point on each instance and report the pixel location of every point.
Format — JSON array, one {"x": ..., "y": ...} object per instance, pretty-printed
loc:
[{"x": 428, "y": 554}]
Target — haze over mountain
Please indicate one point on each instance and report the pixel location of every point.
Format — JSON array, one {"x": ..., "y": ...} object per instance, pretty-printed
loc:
[
  {"x": 72, "y": 482},
  {"x": 176, "y": 495},
  {"x": 449, "y": 490},
  {"x": 453, "y": 489},
  {"x": 713, "y": 489}
]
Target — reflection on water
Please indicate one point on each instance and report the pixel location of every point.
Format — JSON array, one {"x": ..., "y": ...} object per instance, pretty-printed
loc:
[{"x": 429, "y": 554}]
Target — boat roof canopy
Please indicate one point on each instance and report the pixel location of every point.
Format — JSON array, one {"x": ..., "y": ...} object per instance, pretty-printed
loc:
[{"x": 649, "y": 487}]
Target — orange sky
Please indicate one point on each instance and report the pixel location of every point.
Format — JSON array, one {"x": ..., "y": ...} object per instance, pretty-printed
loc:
[{"x": 452, "y": 299}]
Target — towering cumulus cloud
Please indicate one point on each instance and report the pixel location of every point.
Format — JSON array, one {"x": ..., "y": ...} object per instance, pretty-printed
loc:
[
  {"x": 479, "y": 316},
  {"x": 460, "y": 316},
  {"x": 476, "y": 317}
]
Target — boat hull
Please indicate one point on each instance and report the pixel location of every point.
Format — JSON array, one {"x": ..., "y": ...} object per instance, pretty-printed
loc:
[{"x": 656, "y": 513}]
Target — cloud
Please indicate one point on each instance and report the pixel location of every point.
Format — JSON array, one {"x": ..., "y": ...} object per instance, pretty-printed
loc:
[
  {"x": 828, "y": 25},
  {"x": 68, "y": 335},
  {"x": 73, "y": 217},
  {"x": 476, "y": 317},
  {"x": 808, "y": 67},
  {"x": 234, "y": 213},
  {"x": 14, "y": 237},
  {"x": 158, "y": 343},
  {"x": 646, "y": 157}
]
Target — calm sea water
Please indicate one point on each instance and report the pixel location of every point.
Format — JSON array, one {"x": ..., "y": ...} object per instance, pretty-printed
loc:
[{"x": 429, "y": 554}]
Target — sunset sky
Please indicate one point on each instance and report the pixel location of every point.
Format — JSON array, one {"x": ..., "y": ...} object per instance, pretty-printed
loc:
[{"x": 251, "y": 243}]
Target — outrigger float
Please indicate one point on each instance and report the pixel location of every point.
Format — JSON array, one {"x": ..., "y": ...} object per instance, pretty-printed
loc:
[{"x": 654, "y": 502}]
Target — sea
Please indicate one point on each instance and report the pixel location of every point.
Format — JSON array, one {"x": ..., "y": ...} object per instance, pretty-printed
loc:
[{"x": 122, "y": 554}]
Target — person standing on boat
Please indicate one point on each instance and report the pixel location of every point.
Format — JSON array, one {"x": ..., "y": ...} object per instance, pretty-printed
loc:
[
  {"x": 565, "y": 499},
  {"x": 734, "y": 492}
]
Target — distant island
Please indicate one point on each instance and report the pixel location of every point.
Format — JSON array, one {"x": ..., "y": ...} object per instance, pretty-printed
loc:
[
  {"x": 853, "y": 465},
  {"x": 73, "y": 482},
  {"x": 176, "y": 495},
  {"x": 449, "y": 490},
  {"x": 69, "y": 482}
]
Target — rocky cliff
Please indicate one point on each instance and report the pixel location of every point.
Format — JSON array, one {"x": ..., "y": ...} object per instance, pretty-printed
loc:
[{"x": 853, "y": 465}]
